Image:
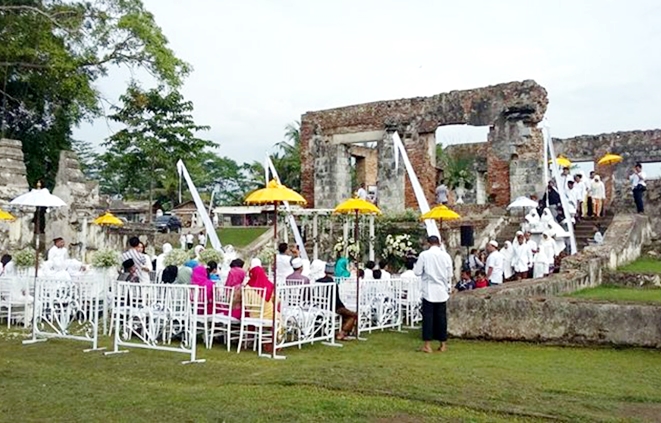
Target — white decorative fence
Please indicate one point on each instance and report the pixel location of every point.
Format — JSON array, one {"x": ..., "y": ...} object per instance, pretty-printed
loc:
[
  {"x": 380, "y": 305},
  {"x": 411, "y": 302},
  {"x": 67, "y": 309},
  {"x": 156, "y": 316},
  {"x": 307, "y": 314}
]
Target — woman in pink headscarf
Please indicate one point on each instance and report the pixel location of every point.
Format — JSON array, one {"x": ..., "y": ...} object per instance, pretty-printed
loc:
[
  {"x": 258, "y": 279},
  {"x": 200, "y": 278},
  {"x": 235, "y": 279}
]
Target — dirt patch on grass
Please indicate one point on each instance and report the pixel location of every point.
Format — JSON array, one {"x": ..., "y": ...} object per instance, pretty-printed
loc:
[{"x": 644, "y": 412}]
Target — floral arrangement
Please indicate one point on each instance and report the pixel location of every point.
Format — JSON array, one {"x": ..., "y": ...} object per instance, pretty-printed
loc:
[
  {"x": 353, "y": 249},
  {"x": 105, "y": 259},
  {"x": 397, "y": 248},
  {"x": 176, "y": 257},
  {"x": 267, "y": 254},
  {"x": 209, "y": 254},
  {"x": 25, "y": 258}
]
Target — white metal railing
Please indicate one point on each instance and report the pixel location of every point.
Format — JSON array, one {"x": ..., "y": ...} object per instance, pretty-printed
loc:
[{"x": 380, "y": 305}]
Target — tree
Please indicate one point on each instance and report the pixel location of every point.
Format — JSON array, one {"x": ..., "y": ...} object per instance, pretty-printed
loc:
[
  {"x": 51, "y": 54},
  {"x": 287, "y": 160},
  {"x": 87, "y": 158},
  {"x": 159, "y": 131}
]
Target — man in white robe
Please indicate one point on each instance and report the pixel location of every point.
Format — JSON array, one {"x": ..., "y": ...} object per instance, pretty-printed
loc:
[{"x": 521, "y": 256}]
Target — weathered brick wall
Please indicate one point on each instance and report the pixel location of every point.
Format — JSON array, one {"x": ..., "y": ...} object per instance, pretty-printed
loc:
[
  {"x": 511, "y": 102},
  {"x": 366, "y": 164},
  {"x": 633, "y": 146}
]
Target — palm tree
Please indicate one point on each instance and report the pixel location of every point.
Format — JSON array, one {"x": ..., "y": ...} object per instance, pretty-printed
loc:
[{"x": 287, "y": 160}]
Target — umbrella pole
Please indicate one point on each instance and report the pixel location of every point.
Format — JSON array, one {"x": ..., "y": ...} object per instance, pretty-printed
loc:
[
  {"x": 357, "y": 281},
  {"x": 275, "y": 282},
  {"x": 34, "y": 295}
]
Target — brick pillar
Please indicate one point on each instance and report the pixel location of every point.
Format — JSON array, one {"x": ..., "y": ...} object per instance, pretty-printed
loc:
[
  {"x": 307, "y": 162},
  {"x": 332, "y": 176},
  {"x": 514, "y": 160},
  {"x": 421, "y": 149},
  {"x": 390, "y": 183}
]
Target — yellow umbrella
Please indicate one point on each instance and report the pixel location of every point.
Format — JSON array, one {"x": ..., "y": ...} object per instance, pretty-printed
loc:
[
  {"x": 274, "y": 193},
  {"x": 356, "y": 206},
  {"x": 441, "y": 213},
  {"x": 108, "y": 219},
  {"x": 609, "y": 159},
  {"x": 562, "y": 161},
  {"x": 6, "y": 216}
]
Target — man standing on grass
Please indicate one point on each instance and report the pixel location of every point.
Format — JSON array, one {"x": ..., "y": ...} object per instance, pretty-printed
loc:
[{"x": 434, "y": 266}]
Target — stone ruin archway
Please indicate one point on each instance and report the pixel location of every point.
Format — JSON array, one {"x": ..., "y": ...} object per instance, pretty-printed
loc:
[{"x": 512, "y": 110}]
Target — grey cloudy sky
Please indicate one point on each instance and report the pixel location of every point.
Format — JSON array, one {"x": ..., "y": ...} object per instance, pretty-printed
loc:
[{"x": 260, "y": 64}]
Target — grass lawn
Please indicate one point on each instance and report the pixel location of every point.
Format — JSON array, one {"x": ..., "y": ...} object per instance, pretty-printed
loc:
[
  {"x": 380, "y": 380},
  {"x": 239, "y": 237},
  {"x": 643, "y": 265},
  {"x": 618, "y": 293}
]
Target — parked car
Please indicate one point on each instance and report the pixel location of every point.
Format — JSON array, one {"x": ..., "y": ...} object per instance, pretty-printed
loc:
[{"x": 167, "y": 223}]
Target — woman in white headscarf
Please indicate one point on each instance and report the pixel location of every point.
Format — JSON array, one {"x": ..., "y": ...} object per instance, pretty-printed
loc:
[
  {"x": 521, "y": 256},
  {"x": 533, "y": 219},
  {"x": 507, "y": 253},
  {"x": 598, "y": 190},
  {"x": 198, "y": 250},
  {"x": 160, "y": 259},
  {"x": 548, "y": 248}
]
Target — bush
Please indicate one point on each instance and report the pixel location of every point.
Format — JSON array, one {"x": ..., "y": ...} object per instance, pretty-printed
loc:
[
  {"x": 176, "y": 257},
  {"x": 209, "y": 254},
  {"x": 105, "y": 259},
  {"x": 25, "y": 258}
]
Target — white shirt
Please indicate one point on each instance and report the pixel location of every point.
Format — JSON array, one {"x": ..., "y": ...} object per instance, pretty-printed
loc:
[
  {"x": 532, "y": 245},
  {"x": 362, "y": 193},
  {"x": 408, "y": 274},
  {"x": 441, "y": 194},
  {"x": 637, "y": 180},
  {"x": 434, "y": 266},
  {"x": 283, "y": 268},
  {"x": 368, "y": 274},
  {"x": 385, "y": 275},
  {"x": 495, "y": 261},
  {"x": 190, "y": 238},
  {"x": 581, "y": 190},
  {"x": 598, "y": 190},
  {"x": 58, "y": 254},
  {"x": 201, "y": 239}
]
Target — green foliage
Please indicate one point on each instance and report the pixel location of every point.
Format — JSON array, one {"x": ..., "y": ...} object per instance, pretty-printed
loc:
[
  {"x": 209, "y": 254},
  {"x": 52, "y": 53},
  {"x": 457, "y": 170},
  {"x": 287, "y": 160},
  {"x": 105, "y": 258},
  {"x": 159, "y": 130},
  {"x": 25, "y": 258},
  {"x": 87, "y": 158},
  {"x": 176, "y": 257}
]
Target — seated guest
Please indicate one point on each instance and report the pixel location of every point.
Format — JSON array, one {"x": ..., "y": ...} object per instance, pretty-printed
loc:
[
  {"x": 349, "y": 317},
  {"x": 342, "y": 267},
  {"x": 212, "y": 271},
  {"x": 297, "y": 278},
  {"x": 200, "y": 278},
  {"x": 184, "y": 274},
  {"x": 369, "y": 268},
  {"x": 130, "y": 273},
  {"x": 481, "y": 279},
  {"x": 169, "y": 274},
  {"x": 383, "y": 266},
  {"x": 376, "y": 274},
  {"x": 235, "y": 279},
  {"x": 598, "y": 238},
  {"x": 465, "y": 281},
  {"x": 6, "y": 265},
  {"x": 409, "y": 264}
]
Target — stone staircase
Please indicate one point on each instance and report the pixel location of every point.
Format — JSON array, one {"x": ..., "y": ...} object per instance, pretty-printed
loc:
[{"x": 583, "y": 230}]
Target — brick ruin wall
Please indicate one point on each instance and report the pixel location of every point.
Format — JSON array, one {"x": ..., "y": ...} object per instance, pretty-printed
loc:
[
  {"x": 512, "y": 110},
  {"x": 633, "y": 146}
]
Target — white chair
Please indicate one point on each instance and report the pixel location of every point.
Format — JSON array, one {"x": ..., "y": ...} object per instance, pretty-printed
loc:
[
  {"x": 222, "y": 321},
  {"x": 15, "y": 303},
  {"x": 252, "y": 304},
  {"x": 202, "y": 316}
]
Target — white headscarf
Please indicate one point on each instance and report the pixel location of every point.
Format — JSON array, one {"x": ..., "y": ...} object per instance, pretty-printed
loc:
[
  {"x": 532, "y": 217},
  {"x": 507, "y": 250},
  {"x": 198, "y": 250}
]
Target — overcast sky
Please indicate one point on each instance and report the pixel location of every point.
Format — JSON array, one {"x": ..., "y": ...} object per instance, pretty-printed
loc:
[{"x": 260, "y": 64}]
